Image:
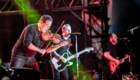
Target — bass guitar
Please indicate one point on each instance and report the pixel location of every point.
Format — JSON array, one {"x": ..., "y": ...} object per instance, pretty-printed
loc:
[{"x": 60, "y": 66}]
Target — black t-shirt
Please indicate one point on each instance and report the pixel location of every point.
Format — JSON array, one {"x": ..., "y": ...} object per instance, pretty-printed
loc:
[
  {"x": 109, "y": 47},
  {"x": 30, "y": 34},
  {"x": 63, "y": 49}
]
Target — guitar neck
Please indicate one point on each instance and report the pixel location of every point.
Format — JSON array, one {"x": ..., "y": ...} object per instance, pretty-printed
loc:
[
  {"x": 71, "y": 57},
  {"x": 123, "y": 59}
]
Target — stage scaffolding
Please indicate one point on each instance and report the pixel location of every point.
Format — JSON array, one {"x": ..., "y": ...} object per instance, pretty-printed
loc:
[{"x": 98, "y": 8}]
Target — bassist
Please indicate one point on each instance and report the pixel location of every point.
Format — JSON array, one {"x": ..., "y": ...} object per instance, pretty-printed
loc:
[{"x": 66, "y": 29}]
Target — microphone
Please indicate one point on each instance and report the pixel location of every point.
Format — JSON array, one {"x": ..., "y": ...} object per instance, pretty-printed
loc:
[
  {"x": 123, "y": 38},
  {"x": 75, "y": 33}
]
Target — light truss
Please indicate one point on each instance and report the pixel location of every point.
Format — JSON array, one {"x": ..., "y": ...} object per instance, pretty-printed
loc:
[{"x": 60, "y": 6}]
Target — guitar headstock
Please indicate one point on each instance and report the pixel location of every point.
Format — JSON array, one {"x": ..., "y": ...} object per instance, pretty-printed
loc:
[
  {"x": 126, "y": 55},
  {"x": 89, "y": 49}
]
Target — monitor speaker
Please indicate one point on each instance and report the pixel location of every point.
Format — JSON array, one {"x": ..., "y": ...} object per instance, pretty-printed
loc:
[
  {"x": 4, "y": 75},
  {"x": 19, "y": 74},
  {"x": 24, "y": 74}
]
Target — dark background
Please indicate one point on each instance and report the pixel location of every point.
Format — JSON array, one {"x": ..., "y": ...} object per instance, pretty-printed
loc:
[{"x": 125, "y": 16}]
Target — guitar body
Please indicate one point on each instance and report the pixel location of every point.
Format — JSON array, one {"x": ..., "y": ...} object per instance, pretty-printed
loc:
[
  {"x": 58, "y": 64},
  {"x": 113, "y": 65}
]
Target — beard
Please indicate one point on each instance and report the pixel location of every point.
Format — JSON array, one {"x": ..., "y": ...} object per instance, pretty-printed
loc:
[{"x": 115, "y": 41}]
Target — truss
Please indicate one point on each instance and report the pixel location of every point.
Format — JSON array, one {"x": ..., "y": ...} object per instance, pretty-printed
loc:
[{"x": 94, "y": 7}]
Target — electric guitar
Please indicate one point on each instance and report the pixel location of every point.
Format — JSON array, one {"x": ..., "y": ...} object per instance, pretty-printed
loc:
[
  {"x": 113, "y": 65},
  {"x": 60, "y": 66}
]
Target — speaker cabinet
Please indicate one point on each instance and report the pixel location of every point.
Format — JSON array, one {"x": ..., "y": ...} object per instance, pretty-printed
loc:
[
  {"x": 26, "y": 74},
  {"x": 19, "y": 74},
  {"x": 4, "y": 75}
]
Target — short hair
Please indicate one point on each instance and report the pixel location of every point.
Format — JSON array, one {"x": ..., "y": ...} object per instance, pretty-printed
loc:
[
  {"x": 68, "y": 26},
  {"x": 110, "y": 35},
  {"x": 45, "y": 17}
]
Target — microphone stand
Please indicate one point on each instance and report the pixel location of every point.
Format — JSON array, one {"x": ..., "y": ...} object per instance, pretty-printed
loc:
[
  {"x": 131, "y": 32},
  {"x": 130, "y": 56},
  {"x": 76, "y": 48}
]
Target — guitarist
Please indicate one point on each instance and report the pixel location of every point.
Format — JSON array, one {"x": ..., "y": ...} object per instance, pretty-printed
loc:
[
  {"x": 110, "y": 54},
  {"x": 66, "y": 30}
]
